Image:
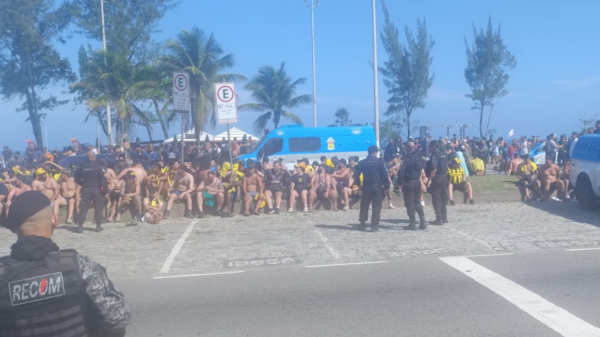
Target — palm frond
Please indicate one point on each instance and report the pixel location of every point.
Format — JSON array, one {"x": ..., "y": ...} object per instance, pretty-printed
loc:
[
  {"x": 261, "y": 122},
  {"x": 292, "y": 117}
]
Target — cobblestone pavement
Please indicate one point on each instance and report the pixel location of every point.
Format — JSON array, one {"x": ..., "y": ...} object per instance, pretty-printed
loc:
[{"x": 240, "y": 243}]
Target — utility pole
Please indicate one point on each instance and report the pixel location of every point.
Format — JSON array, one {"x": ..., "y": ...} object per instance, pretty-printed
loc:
[
  {"x": 108, "y": 115},
  {"x": 312, "y": 21},
  {"x": 375, "y": 76}
]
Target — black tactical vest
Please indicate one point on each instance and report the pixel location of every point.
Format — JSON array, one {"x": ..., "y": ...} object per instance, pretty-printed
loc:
[
  {"x": 442, "y": 169},
  {"x": 42, "y": 298}
]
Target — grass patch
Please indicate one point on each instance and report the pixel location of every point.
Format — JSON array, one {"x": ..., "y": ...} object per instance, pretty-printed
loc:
[{"x": 494, "y": 183}]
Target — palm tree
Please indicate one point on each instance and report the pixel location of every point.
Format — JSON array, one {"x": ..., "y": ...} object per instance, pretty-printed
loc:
[
  {"x": 275, "y": 93},
  {"x": 203, "y": 59},
  {"x": 110, "y": 78}
]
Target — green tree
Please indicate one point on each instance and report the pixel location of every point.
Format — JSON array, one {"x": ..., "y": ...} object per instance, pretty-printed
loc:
[
  {"x": 274, "y": 93},
  {"x": 389, "y": 129},
  {"x": 488, "y": 59},
  {"x": 110, "y": 78},
  {"x": 342, "y": 117},
  {"x": 203, "y": 58},
  {"x": 406, "y": 72},
  {"x": 129, "y": 24},
  {"x": 29, "y": 63}
]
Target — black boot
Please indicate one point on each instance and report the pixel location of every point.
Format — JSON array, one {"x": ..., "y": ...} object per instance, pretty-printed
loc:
[
  {"x": 437, "y": 222},
  {"x": 362, "y": 226},
  {"x": 412, "y": 226},
  {"x": 99, "y": 227},
  {"x": 423, "y": 224},
  {"x": 375, "y": 228},
  {"x": 79, "y": 229}
]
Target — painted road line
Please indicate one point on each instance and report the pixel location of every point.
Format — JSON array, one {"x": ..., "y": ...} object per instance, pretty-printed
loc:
[
  {"x": 581, "y": 249},
  {"x": 553, "y": 316},
  {"x": 344, "y": 264},
  {"x": 177, "y": 248},
  {"x": 197, "y": 275},
  {"x": 328, "y": 245},
  {"x": 486, "y": 255}
]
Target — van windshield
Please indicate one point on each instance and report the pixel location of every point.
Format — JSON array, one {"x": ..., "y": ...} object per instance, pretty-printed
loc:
[{"x": 258, "y": 144}]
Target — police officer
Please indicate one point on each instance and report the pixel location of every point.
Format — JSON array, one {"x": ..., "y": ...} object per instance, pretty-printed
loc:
[
  {"x": 409, "y": 177},
  {"x": 90, "y": 176},
  {"x": 437, "y": 169},
  {"x": 46, "y": 291},
  {"x": 375, "y": 181}
]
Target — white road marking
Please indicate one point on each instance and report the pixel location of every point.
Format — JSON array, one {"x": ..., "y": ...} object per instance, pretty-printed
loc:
[
  {"x": 177, "y": 248},
  {"x": 469, "y": 236},
  {"x": 553, "y": 316},
  {"x": 196, "y": 275},
  {"x": 486, "y": 255},
  {"x": 581, "y": 249},
  {"x": 344, "y": 264},
  {"x": 328, "y": 245}
]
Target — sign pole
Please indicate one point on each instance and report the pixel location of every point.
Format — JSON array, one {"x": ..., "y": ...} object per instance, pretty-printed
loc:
[
  {"x": 230, "y": 151},
  {"x": 182, "y": 137}
]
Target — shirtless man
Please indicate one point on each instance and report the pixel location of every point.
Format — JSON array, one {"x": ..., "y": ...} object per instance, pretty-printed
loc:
[
  {"x": 183, "y": 186},
  {"x": 20, "y": 185},
  {"x": 513, "y": 165},
  {"x": 140, "y": 173},
  {"x": 48, "y": 186},
  {"x": 549, "y": 180},
  {"x": 68, "y": 193},
  {"x": 7, "y": 193},
  {"x": 527, "y": 173},
  {"x": 565, "y": 176},
  {"x": 131, "y": 195},
  {"x": 114, "y": 199},
  {"x": 266, "y": 165},
  {"x": 211, "y": 187},
  {"x": 326, "y": 188},
  {"x": 153, "y": 207},
  {"x": 342, "y": 177},
  {"x": 252, "y": 186}
]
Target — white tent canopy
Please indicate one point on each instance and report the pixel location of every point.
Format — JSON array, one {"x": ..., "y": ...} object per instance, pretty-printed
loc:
[
  {"x": 235, "y": 133},
  {"x": 190, "y": 137}
]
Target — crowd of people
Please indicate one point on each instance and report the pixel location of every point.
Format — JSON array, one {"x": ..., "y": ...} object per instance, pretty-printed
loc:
[{"x": 148, "y": 181}]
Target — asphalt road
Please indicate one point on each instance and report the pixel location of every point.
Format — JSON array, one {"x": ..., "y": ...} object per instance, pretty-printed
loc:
[{"x": 542, "y": 293}]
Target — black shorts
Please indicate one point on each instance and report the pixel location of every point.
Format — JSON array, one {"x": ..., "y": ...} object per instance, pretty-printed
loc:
[
  {"x": 462, "y": 187},
  {"x": 115, "y": 196},
  {"x": 275, "y": 188},
  {"x": 299, "y": 190},
  {"x": 321, "y": 190}
]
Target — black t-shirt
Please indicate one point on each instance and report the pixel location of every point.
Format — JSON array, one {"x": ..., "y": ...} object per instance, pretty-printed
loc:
[
  {"x": 3, "y": 191},
  {"x": 301, "y": 181}
]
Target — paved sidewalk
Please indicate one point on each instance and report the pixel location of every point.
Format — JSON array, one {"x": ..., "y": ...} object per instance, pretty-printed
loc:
[{"x": 215, "y": 244}]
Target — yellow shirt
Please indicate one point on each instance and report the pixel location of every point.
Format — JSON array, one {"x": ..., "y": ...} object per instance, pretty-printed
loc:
[
  {"x": 477, "y": 165},
  {"x": 456, "y": 175},
  {"x": 533, "y": 167}
]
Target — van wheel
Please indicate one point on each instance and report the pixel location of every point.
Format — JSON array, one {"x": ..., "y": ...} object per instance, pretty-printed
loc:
[{"x": 585, "y": 194}]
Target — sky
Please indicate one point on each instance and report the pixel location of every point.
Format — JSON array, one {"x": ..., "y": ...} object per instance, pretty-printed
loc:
[{"x": 556, "y": 81}]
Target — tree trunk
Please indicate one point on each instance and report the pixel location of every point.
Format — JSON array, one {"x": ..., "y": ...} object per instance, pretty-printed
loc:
[
  {"x": 408, "y": 124},
  {"x": 149, "y": 129},
  {"x": 481, "y": 122},
  {"x": 163, "y": 125},
  {"x": 34, "y": 117},
  {"x": 487, "y": 128}
]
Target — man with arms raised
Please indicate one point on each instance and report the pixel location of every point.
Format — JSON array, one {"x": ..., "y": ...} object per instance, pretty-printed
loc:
[
  {"x": 44, "y": 288},
  {"x": 183, "y": 186},
  {"x": 48, "y": 186}
]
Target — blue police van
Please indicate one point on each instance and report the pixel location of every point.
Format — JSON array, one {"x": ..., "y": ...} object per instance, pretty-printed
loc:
[{"x": 295, "y": 142}]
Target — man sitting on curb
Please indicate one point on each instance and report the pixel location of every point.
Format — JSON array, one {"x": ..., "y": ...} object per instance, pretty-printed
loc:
[{"x": 457, "y": 182}]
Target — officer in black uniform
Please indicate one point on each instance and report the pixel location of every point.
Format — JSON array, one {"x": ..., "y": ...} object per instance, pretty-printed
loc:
[
  {"x": 409, "y": 177},
  {"x": 46, "y": 291},
  {"x": 437, "y": 172},
  {"x": 375, "y": 181},
  {"x": 90, "y": 176}
]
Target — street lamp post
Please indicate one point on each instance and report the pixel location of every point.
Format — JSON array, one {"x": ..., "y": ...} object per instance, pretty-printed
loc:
[
  {"x": 312, "y": 6},
  {"x": 375, "y": 77},
  {"x": 108, "y": 115}
]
